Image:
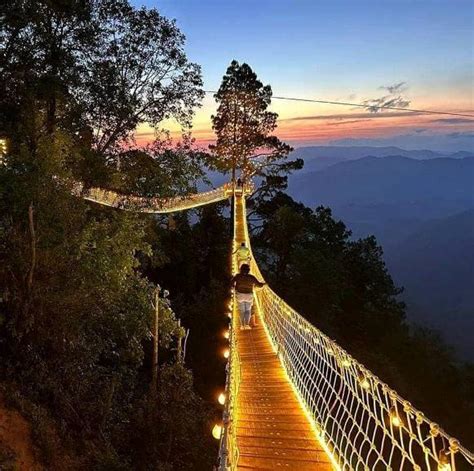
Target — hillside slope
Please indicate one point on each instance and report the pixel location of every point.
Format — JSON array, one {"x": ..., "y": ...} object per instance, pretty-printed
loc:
[
  {"x": 390, "y": 179},
  {"x": 421, "y": 212},
  {"x": 16, "y": 449}
]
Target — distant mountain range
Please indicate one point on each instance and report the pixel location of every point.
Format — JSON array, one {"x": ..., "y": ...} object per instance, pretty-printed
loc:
[
  {"x": 420, "y": 206},
  {"x": 319, "y": 157},
  {"x": 388, "y": 196}
]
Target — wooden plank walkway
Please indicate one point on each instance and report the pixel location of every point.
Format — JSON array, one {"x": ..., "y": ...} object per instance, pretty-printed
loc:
[{"x": 273, "y": 431}]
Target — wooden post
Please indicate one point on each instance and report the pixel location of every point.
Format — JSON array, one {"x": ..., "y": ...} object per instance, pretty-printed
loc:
[
  {"x": 154, "y": 368},
  {"x": 184, "y": 346}
]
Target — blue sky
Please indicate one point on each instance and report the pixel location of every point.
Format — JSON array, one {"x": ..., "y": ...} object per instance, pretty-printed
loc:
[{"x": 336, "y": 50}]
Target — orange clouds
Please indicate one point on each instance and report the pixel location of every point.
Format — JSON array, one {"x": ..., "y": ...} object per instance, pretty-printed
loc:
[{"x": 298, "y": 123}]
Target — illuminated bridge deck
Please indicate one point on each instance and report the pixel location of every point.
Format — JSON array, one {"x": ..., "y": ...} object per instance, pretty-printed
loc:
[{"x": 273, "y": 432}]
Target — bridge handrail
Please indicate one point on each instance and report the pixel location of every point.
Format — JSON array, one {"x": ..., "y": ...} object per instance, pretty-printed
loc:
[
  {"x": 360, "y": 421},
  {"x": 228, "y": 449}
]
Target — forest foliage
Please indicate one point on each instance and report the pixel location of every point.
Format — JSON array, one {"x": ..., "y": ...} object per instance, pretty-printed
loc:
[{"x": 76, "y": 308}]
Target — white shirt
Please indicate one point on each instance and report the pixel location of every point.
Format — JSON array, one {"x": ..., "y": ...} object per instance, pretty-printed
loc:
[{"x": 244, "y": 297}]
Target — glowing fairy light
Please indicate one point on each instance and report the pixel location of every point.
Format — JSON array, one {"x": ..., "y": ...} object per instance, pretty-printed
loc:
[
  {"x": 3, "y": 149},
  {"x": 396, "y": 422},
  {"x": 153, "y": 204},
  {"x": 221, "y": 399},
  {"x": 395, "y": 418},
  {"x": 279, "y": 321},
  {"x": 444, "y": 461},
  {"x": 217, "y": 431},
  {"x": 363, "y": 381}
]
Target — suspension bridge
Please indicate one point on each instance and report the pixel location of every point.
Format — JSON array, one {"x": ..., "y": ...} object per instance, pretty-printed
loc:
[{"x": 294, "y": 399}]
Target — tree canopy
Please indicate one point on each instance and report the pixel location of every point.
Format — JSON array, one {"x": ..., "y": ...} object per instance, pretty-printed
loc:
[{"x": 93, "y": 69}]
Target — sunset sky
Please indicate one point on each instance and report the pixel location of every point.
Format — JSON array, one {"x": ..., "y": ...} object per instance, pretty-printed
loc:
[{"x": 340, "y": 51}]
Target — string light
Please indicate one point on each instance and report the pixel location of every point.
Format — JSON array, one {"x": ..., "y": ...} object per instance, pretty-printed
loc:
[
  {"x": 285, "y": 317},
  {"x": 364, "y": 382},
  {"x": 221, "y": 399},
  {"x": 217, "y": 431},
  {"x": 394, "y": 417},
  {"x": 154, "y": 205},
  {"x": 3, "y": 149}
]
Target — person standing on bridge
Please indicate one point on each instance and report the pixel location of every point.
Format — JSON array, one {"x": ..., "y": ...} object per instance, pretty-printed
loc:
[
  {"x": 244, "y": 284},
  {"x": 243, "y": 254}
]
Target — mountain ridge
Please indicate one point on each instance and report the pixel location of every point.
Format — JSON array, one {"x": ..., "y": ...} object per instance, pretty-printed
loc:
[
  {"x": 369, "y": 178},
  {"x": 422, "y": 213},
  {"x": 319, "y": 157}
]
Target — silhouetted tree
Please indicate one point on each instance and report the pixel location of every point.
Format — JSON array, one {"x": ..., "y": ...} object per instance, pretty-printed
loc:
[
  {"x": 138, "y": 73},
  {"x": 244, "y": 126},
  {"x": 92, "y": 69}
]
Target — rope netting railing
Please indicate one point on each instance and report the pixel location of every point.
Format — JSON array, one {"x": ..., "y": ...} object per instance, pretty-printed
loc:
[
  {"x": 361, "y": 422},
  {"x": 228, "y": 449},
  {"x": 154, "y": 205}
]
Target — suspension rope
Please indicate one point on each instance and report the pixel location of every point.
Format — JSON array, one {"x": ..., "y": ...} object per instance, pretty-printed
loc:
[{"x": 367, "y": 107}]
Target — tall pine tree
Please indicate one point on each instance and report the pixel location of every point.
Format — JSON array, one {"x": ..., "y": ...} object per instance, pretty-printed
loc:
[{"x": 244, "y": 126}]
